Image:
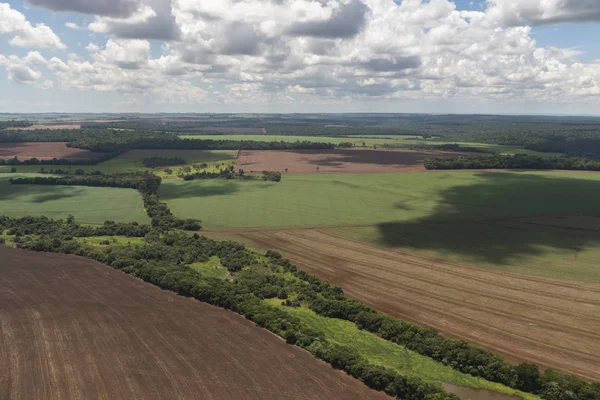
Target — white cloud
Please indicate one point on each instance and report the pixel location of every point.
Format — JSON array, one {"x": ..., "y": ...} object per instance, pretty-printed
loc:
[
  {"x": 281, "y": 51},
  {"x": 13, "y": 23},
  {"x": 525, "y": 12},
  {"x": 20, "y": 69}
]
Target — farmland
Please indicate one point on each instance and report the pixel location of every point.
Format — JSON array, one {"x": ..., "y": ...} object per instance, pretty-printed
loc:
[
  {"x": 92, "y": 205},
  {"x": 73, "y": 329},
  {"x": 44, "y": 151},
  {"x": 371, "y": 141},
  {"x": 132, "y": 161},
  {"x": 550, "y": 322},
  {"x": 538, "y": 223},
  {"x": 391, "y": 355},
  {"x": 349, "y": 161}
]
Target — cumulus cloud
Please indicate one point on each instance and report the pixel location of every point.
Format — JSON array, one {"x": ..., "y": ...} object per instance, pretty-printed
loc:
[
  {"x": 13, "y": 23},
  {"x": 282, "y": 51},
  {"x": 22, "y": 69},
  {"x": 112, "y": 8},
  {"x": 526, "y": 12},
  {"x": 153, "y": 20}
]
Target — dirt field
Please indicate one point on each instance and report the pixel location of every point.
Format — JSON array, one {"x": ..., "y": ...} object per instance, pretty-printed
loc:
[
  {"x": 72, "y": 328},
  {"x": 34, "y": 127},
  {"x": 43, "y": 151},
  {"x": 550, "y": 322},
  {"x": 346, "y": 161}
]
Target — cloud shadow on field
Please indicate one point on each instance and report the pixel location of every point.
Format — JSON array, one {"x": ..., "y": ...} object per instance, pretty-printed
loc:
[
  {"x": 171, "y": 191},
  {"x": 37, "y": 193},
  {"x": 504, "y": 216}
]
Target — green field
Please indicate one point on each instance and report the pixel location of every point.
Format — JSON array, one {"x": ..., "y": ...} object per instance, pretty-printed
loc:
[
  {"x": 391, "y": 355},
  {"x": 92, "y": 205},
  {"x": 211, "y": 269},
  {"x": 542, "y": 223},
  {"x": 370, "y": 141},
  {"x": 132, "y": 162}
]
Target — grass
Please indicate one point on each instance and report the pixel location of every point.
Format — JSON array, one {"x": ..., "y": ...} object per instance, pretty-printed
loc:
[
  {"x": 92, "y": 205},
  {"x": 132, "y": 162},
  {"x": 540, "y": 223},
  {"x": 211, "y": 269},
  {"x": 101, "y": 241},
  {"x": 391, "y": 355},
  {"x": 370, "y": 141}
]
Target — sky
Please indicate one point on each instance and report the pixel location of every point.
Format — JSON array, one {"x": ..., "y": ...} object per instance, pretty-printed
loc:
[{"x": 279, "y": 56}]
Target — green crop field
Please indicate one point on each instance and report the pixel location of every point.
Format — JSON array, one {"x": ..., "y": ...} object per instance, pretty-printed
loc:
[
  {"x": 542, "y": 223},
  {"x": 371, "y": 141},
  {"x": 132, "y": 162},
  {"x": 391, "y": 355},
  {"x": 92, "y": 205}
]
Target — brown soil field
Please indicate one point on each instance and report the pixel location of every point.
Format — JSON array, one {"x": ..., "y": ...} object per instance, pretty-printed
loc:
[
  {"x": 343, "y": 161},
  {"x": 72, "y": 328},
  {"x": 44, "y": 151},
  {"x": 552, "y": 323},
  {"x": 34, "y": 127}
]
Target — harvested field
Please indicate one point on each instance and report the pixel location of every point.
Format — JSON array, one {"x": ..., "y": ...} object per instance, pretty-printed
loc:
[
  {"x": 347, "y": 161},
  {"x": 552, "y": 323},
  {"x": 71, "y": 328},
  {"x": 49, "y": 126},
  {"x": 44, "y": 151}
]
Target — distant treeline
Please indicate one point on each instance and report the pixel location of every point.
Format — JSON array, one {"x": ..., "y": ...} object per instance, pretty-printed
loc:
[
  {"x": 14, "y": 124},
  {"x": 438, "y": 147},
  {"x": 147, "y": 184},
  {"x": 517, "y": 161},
  {"x": 58, "y": 161}
]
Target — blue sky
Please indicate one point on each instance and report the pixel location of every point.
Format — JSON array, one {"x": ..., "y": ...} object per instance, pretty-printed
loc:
[{"x": 417, "y": 58}]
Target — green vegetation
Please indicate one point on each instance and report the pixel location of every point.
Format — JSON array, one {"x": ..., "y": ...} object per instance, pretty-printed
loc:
[
  {"x": 535, "y": 222},
  {"x": 163, "y": 259},
  {"x": 133, "y": 161},
  {"x": 109, "y": 241},
  {"x": 388, "y": 354},
  {"x": 377, "y": 141},
  {"x": 211, "y": 268},
  {"x": 519, "y": 161},
  {"x": 92, "y": 205}
]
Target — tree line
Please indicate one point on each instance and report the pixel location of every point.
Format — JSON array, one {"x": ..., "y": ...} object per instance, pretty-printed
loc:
[
  {"x": 517, "y": 161},
  {"x": 163, "y": 261},
  {"x": 156, "y": 162}
]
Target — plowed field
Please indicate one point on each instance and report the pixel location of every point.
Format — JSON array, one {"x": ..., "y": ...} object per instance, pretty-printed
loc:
[
  {"x": 72, "y": 328},
  {"x": 552, "y": 323},
  {"x": 44, "y": 151},
  {"x": 343, "y": 161}
]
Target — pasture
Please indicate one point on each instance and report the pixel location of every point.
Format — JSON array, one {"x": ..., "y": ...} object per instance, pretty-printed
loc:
[
  {"x": 73, "y": 328},
  {"x": 92, "y": 205},
  {"x": 539, "y": 223}
]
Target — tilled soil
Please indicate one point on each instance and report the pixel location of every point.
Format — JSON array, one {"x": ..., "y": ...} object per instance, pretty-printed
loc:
[
  {"x": 72, "y": 328},
  {"x": 552, "y": 323},
  {"x": 343, "y": 161},
  {"x": 44, "y": 151}
]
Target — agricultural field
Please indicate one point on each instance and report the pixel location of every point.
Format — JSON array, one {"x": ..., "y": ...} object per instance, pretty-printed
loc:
[
  {"x": 536, "y": 223},
  {"x": 552, "y": 323},
  {"x": 132, "y": 161},
  {"x": 396, "y": 357},
  {"x": 44, "y": 151},
  {"x": 340, "y": 161},
  {"x": 92, "y": 205},
  {"x": 73, "y": 328}
]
